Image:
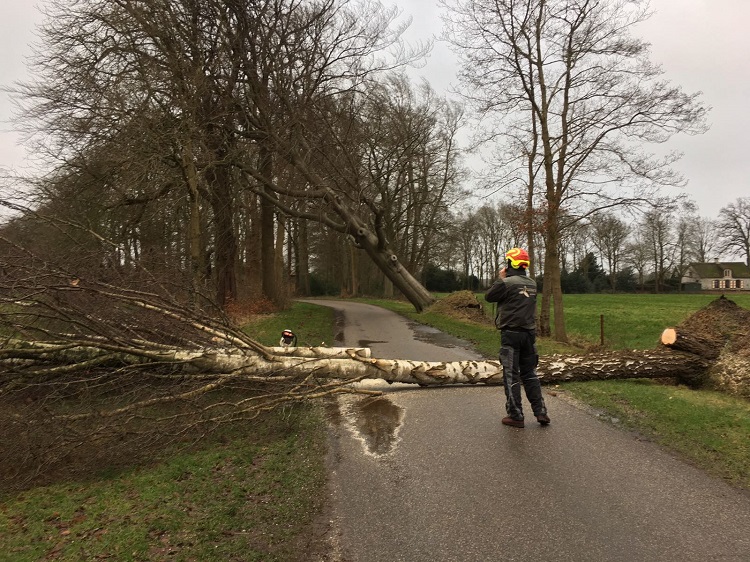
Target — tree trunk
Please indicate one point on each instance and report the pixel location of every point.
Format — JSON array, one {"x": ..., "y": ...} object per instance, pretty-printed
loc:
[
  {"x": 225, "y": 242},
  {"x": 195, "y": 247},
  {"x": 354, "y": 268},
  {"x": 388, "y": 263},
  {"x": 303, "y": 263},
  {"x": 253, "y": 263},
  {"x": 267, "y": 232},
  {"x": 281, "y": 279},
  {"x": 355, "y": 364}
]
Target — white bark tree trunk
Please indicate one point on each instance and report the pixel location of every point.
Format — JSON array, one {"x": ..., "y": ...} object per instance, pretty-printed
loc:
[{"x": 356, "y": 364}]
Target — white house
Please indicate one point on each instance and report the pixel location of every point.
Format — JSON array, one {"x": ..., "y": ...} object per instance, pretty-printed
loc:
[{"x": 724, "y": 276}]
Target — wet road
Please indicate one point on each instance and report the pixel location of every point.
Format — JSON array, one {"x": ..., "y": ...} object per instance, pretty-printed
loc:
[{"x": 430, "y": 474}]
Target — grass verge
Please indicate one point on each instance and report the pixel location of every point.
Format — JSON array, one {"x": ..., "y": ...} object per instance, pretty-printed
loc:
[
  {"x": 251, "y": 493},
  {"x": 312, "y": 324}
]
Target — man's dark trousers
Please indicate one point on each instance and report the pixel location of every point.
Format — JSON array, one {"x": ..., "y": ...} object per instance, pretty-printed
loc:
[{"x": 519, "y": 359}]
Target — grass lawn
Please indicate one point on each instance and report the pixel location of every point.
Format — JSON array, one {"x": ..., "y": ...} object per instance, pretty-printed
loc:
[
  {"x": 709, "y": 429},
  {"x": 632, "y": 321},
  {"x": 252, "y": 492}
]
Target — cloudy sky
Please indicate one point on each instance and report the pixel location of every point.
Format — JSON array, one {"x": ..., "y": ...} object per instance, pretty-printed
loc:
[{"x": 703, "y": 45}]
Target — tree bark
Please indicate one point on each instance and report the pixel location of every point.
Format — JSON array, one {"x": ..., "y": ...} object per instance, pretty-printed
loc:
[
  {"x": 267, "y": 236},
  {"x": 303, "y": 263},
  {"x": 225, "y": 242},
  {"x": 355, "y": 364}
]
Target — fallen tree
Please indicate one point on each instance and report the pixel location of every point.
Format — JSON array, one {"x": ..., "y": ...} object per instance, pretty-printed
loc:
[
  {"x": 57, "y": 331},
  {"x": 345, "y": 364},
  {"x": 87, "y": 365}
]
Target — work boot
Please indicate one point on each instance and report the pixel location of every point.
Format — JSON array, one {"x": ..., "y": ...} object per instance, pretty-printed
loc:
[
  {"x": 543, "y": 419},
  {"x": 512, "y": 422}
]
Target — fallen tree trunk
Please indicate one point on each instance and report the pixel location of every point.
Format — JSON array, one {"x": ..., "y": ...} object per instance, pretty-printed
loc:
[
  {"x": 351, "y": 364},
  {"x": 659, "y": 363}
]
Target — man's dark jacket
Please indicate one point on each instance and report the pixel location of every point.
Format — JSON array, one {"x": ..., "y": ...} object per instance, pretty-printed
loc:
[{"x": 516, "y": 299}]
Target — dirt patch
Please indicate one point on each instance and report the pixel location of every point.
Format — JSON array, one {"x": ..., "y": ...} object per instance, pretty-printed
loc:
[
  {"x": 463, "y": 305},
  {"x": 727, "y": 326}
]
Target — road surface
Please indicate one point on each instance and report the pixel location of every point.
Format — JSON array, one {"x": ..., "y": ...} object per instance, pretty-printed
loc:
[{"x": 430, "y": 474}]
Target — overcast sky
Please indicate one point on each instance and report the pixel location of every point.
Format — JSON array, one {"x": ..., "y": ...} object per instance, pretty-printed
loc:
[{"x": 703, "y": 45}]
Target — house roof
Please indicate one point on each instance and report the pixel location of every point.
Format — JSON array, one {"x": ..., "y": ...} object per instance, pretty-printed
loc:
[{"x": 716, "y": 269}]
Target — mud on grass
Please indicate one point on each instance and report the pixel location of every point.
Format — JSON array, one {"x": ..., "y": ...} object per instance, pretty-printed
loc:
[{"x": 253, "y": 490}]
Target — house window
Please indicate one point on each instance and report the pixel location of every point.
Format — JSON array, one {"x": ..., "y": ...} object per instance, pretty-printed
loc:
[
  {"x": 716, "y": 283},
  {"x": 738, "y": 284},
  {"x": 727, "y": 273},
  {"x": 727, "y": 283}
]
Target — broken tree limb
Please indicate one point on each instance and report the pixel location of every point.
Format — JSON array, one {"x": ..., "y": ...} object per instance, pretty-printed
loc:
[{"x": 333, "y": 352}]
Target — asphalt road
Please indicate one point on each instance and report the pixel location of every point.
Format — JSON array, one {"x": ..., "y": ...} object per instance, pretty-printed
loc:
[{"x": 430, "y": 474}]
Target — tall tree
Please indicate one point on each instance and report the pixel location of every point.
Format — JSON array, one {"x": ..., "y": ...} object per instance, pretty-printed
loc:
[
  {"x": 595, "y": 98},
  {"x": 734, "y": 228},
  {"x": 659, "y": 232},
  {"x": 704, "y": 239}
]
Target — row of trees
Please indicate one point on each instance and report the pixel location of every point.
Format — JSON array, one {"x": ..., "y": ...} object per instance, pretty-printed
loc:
[
  {"x": 225, "y": 147},
  {"x": 225, "y": 139},
  {"x": 649, "y": 249}
]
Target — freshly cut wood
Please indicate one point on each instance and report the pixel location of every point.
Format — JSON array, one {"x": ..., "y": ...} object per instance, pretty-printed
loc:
[{"x": 690, "y": 343}]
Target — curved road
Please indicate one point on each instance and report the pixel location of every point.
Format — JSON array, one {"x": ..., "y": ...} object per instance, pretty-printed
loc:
[{"x": 430, "y": 474}]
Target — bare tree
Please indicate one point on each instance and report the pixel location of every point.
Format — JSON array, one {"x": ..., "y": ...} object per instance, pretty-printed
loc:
[
  {"x": 703, "y": 239},
  {"x": 684, "y": 234},
  {"x": 734, "y": 228},
  {"x": 410, "y": 156},
  {"x": 595, "y": 98},
  {"x": 610, "y": 233},
  {"x": 637, "y": 256},
  {"x": 659, "y": 232}
]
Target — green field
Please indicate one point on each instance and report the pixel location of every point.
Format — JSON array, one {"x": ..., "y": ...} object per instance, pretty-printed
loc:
[{"x": 632, "y": 321}]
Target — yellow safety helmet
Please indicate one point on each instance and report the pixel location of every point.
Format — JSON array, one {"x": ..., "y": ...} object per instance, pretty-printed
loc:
[{"x": 518, "y": 258}]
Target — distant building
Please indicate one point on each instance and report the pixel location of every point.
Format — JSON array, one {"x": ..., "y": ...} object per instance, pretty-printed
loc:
[{"x": 717, "y": 276}]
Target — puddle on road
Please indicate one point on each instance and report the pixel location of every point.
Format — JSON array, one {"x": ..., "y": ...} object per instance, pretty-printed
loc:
[
  {"x": 339, "y": 325},
  {"x": 368, "y": 343},
  {"x": 376, "y": 422},
  {"x": 428, "y": 334}
]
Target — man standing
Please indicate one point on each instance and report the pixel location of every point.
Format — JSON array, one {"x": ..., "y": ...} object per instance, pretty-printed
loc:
[{"x": 515, "y": 293}]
